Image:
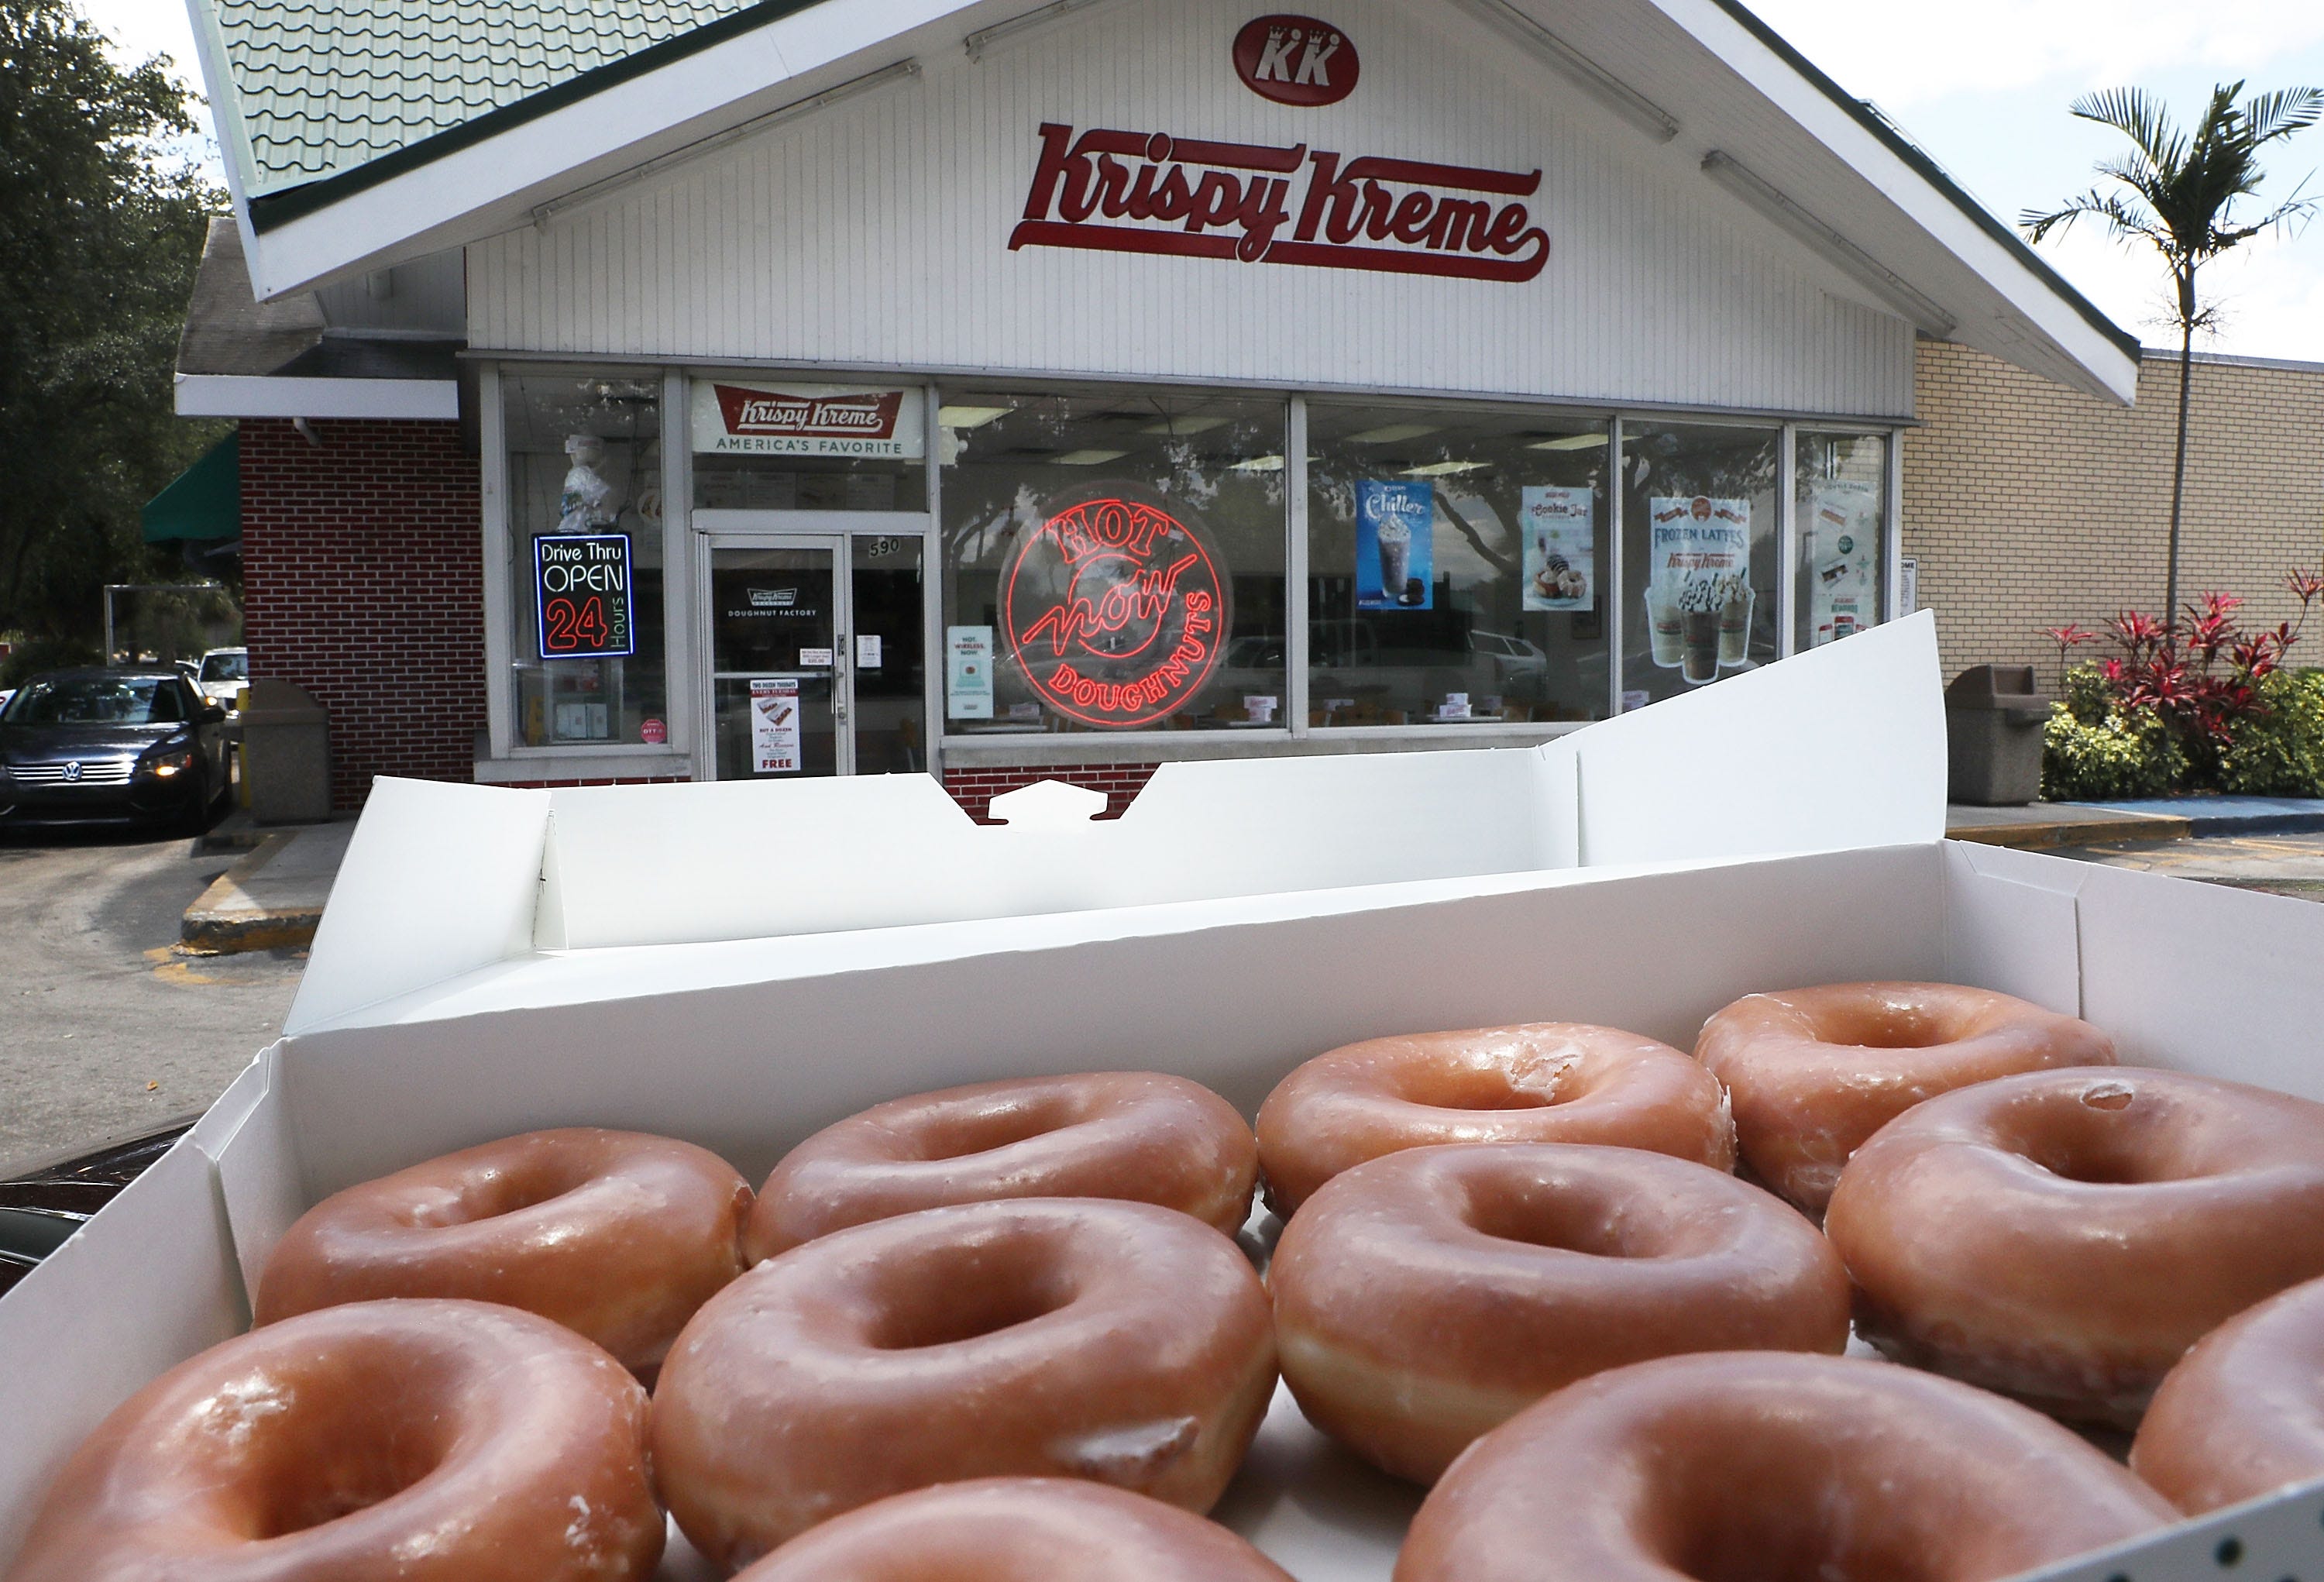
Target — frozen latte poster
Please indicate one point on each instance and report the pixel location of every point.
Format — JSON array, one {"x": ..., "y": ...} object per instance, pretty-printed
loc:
[
  {"x": 1560, "y": 527},
  {"x": 1394, "y": 521},
  {"x": 1699, "y": 593}
]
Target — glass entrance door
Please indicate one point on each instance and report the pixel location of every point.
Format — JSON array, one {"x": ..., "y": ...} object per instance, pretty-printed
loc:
[
  {"x": 817, "y": 654},
  {"x": 779, "y": 703}
]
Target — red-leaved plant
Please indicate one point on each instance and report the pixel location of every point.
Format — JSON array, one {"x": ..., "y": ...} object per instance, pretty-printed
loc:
[{"x": 2175, "y": 669}]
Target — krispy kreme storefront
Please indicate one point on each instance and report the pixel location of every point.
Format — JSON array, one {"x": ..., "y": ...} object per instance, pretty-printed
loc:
[{"x": 1170, "y": 382}]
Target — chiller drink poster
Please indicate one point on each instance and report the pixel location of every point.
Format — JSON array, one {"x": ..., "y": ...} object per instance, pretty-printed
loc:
[
  {"x": 1843, "y": 536},
  {"x": 1560, "y": 527},
  {"x": 1699, "y": 593},
  {"x": 775, "y": 725},
  {"x": 1394, "y": 523}
]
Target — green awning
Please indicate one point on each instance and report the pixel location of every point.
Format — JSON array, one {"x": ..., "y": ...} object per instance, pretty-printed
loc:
[{"x": 204, "y": 502}]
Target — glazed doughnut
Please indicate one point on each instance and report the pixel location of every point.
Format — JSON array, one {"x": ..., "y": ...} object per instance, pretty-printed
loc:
[
  {"x": 1017, "y": 1530},
  {"x": 1768, "y": 1464},
  {"x": 1138, "y": 1136},
  {"x": 614, "y": 1235},
  {"x": 2063, "y": 1237},
  {"x": 2243, "y": 1413},
  {"x": 1060, "y": 1337},
  {"x": 429, "y": 1441},
  {"x": 1428, "y": 1296},
  {"x": 1814, "y": 1072},
  {"x": 1541, "y": 1082}
]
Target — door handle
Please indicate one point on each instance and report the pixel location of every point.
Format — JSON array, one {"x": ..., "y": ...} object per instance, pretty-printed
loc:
[{"x": 838, "y": 676}]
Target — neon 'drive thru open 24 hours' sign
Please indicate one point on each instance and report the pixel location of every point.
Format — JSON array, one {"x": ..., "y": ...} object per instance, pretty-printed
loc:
[{"x": 1114, "y": 609}]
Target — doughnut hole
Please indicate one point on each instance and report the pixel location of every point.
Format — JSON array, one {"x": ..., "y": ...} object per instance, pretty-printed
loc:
[
  {"x": 2105, "y": 1133},
  {"x": 950, "y": 1294},
  {"x": 982, "y": 1127},
  {"x": 336, "y": 1434},
  {"x": 497, "y": 1191},
  {"x": 1564, "y": 1220}
]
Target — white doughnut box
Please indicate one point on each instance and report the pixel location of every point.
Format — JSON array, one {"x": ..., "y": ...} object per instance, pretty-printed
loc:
[{"x": 740, "y": 964}]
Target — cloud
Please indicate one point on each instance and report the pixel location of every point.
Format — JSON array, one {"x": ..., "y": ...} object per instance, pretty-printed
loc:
[{"x": 1910, "y": 51}]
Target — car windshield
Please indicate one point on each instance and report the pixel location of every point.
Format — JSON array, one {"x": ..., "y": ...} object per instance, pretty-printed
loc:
[
  {"x": 225, "y": 667},
  {"x": 97, "y": 700}
]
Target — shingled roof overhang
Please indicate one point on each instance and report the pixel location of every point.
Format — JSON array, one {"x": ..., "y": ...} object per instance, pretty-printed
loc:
[{"x": 1766, "y": 126}]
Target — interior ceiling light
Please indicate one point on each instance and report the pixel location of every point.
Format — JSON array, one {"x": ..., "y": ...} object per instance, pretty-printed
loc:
[
  {"x": 1443, "y": 469},
  {"x": 1088, "y": 457},
  {"x": 1570, "y": 442},
  {"x": 1389, "y": 434},
  {"x": 970, "y": 417},
  {"x": 1183, "y": 426},
  {"x": 1257, "y": 464}
]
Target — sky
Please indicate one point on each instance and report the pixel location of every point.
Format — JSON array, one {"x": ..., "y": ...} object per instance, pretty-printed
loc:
[{"x": 1984, "y": 86}]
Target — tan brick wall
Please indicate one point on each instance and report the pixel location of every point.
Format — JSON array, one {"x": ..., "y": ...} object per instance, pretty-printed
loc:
[{"x": 2028, "y": 505}]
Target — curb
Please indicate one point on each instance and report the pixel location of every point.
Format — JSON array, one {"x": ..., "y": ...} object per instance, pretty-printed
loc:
[
  {"x": 2080, "y": 832},
  {"x": 224, "y": 919}
]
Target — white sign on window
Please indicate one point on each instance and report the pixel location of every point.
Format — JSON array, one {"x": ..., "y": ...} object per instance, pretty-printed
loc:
[
  {"x": 867, "y": 650},
  {"x": 775, "y": 747},
  {"x": 968, "y": 672}
]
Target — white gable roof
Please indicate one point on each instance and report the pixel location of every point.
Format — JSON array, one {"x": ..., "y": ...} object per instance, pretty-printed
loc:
[{"x": 1715, "y": 94}]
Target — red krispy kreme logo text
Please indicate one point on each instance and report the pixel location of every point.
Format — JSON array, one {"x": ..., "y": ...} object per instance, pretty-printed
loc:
[
  {"x": 1151, "y": 192},
  {"x": 773, "y": 413},
  {"x": 1115, "y": 610},
  {"x": 1296, "y": 60}
]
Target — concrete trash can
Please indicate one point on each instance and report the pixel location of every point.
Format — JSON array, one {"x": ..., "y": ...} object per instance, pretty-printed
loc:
[
  {"x": 1993, "y": 735},
  {"x": 286, "y": 753}
]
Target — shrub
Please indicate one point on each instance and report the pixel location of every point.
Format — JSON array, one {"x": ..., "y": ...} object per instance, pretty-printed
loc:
[
  {"x": 2279, "y": 752},
  {"x": 2114, "y": 755}
]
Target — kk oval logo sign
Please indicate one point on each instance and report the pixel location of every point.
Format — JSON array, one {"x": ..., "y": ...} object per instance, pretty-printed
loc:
[
  {"x": 1296, "y": 60},
  {"x": 1115, "y": 610}
]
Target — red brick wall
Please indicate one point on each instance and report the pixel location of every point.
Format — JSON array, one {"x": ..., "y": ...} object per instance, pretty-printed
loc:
[
  {"x": 363, "y": 582},
  {"x": 1121, "y": 783}
]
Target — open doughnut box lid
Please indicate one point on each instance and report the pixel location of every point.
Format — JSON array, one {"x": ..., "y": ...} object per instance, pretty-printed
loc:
[{"x": 739, "y": 964}]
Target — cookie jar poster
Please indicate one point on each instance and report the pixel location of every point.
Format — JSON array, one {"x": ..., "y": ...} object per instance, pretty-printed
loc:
[{"x": 1560, "y": 527}]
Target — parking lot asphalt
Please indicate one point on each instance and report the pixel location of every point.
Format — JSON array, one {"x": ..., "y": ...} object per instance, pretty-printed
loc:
[{"x": 105, "y": 1031}]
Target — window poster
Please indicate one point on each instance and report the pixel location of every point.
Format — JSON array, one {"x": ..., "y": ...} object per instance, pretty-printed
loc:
[
  {"x": 775, "y": 725},
  {"x": 1394, "y": 521},
  {"x": 968, "y": 672},
  {"x": 1699, "y": 593},
  {"x": 1560, "y": 526},
  {"x": 1842, "y": 559}
]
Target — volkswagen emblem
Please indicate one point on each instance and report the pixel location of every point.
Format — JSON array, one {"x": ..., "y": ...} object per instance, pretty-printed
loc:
[{"x": 72, "y": 770}]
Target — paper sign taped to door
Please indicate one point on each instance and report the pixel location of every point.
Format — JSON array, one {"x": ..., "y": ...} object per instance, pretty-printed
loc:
[
  {"x": 775, "y": 725},
  {"x": 867, "y": 650}
]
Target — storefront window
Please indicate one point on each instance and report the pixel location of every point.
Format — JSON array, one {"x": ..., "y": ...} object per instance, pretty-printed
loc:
[
  {"x": 1842, "y": 510},
  {"x": 1112, "y": 561},
  {"x": 791, "y": 445},
  {"x": 1458, "y": 564},
  {"x": 584, "y": 528},
  {"x": 1699, "y": 535}
]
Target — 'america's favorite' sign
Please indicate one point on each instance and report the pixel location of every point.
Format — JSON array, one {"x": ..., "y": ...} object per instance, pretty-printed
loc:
[
  {"x": 807, "y": 420},
  {"x": 1260, "y": 203}
]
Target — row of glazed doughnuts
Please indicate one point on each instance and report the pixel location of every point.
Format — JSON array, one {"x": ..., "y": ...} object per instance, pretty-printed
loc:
[{"x": 1420, "y": 1300}]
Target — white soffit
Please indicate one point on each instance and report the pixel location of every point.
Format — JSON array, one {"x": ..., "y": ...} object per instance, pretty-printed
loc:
[
  {"x": 1738, "y": 92},
  {"x": 240, "y": 395},
  {"x": 490, "y": 184},
  {"x": 1792, "y": 154}
]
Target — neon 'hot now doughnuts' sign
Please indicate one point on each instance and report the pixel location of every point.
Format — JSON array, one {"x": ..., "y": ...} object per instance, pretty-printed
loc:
[{"x": 1115, "y": 610}]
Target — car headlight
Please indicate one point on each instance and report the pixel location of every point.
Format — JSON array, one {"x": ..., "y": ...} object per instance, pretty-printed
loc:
[{"x": 164, "y": 765}]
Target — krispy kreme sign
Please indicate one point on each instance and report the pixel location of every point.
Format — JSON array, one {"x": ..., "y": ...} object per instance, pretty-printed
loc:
[
  {"x": 1121, "y": 191},
  {"x": 807, "y": 420},
  {"x": 1115, "y": 609}
]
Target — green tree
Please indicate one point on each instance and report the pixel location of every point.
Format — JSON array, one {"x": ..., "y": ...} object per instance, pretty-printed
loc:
[
  {"x": 2177, "y": 191},
  {"x": 100, "y": 231}
]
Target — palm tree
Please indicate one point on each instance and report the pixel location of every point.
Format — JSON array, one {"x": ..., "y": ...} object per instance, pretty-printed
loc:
[{"x": 2174, "y": 191}]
